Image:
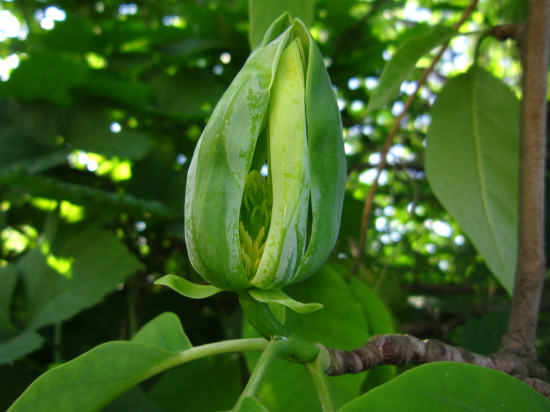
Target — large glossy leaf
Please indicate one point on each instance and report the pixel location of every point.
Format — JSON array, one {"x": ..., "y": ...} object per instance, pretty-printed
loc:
[
  {"x": 263, "y": 12},
  {"x": 95, "y": 378},
  {"x": 340, "y": 324},
  {"x": 400, "y": 66},
  {"x": 472, "y": 164},
  {"x": 450, "y": 387}
]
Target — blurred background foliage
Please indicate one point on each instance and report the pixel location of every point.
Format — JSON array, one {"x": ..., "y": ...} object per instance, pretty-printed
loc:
[{"x": 101, "y": 105}]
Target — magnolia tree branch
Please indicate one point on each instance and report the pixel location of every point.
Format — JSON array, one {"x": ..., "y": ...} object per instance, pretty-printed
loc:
[
  {"x": 404, "y": 349},
  {"x": 531, "y": 264},
  {"x": 367, "y": 209}
]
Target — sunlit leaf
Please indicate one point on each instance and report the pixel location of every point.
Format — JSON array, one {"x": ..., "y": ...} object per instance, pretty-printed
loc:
[
  {"x": 472, "y": 164},
  {"x": 98, "y": 262},
  {"x": 41, "y": 186}
]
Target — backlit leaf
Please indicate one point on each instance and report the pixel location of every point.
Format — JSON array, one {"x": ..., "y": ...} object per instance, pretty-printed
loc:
[{"x": 472, "y": 164}]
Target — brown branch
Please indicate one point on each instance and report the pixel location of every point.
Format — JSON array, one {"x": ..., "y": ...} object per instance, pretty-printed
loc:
[
  {"x": 367, "y": 209},
  {"x": 531, "y": 264},
  {"x": 404, "y": 349},
  {"x": 507, "y": 31}
]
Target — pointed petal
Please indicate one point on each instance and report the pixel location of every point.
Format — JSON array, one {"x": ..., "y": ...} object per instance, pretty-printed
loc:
[
  {"x": 278, "y": 296},
  {"x": 186, "y": 288},
  {"x": 288, "y": 170}
]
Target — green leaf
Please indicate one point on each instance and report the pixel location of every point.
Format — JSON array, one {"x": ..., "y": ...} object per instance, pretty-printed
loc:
[
  {"x": 72, "y": 270},
  {"x": 22, "y": 146},
  {"x": 41, "y": 186},
  {"x": 133, "y": 400},
  {"x": 95, "y": 378},
  {"x": 133, "y": 94},
  {"x": 46, "y": 76},
  {"x": 278, "y": 296},
  {"x": 183, "y": 95},
  {"x": 340, "y": 324},
  {"x": 204, "y": 385},
  {"x": 67, "y": 272},
  {"x": 400, "y": 66},
  {"x": 17, "y": 346},
  {"x": 483, "y": 335},
  {"x": 472, "y": 164},
  {"x": 263, "y": 12},
  {"x": 89, "y": 130},
  {"x": 451, "y": 386},
  {"x": 379, "y": 319},
  {"x": 164, "y": 332},
  {"x": 8, "y": 278},
  {"x": 186, "y": 288}
]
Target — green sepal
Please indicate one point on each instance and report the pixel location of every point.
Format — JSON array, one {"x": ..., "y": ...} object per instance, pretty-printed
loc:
[
  {"x": 186, "y": 288},
  {"x": 278, "y": 296},
  {"x": 261, "y": 318}
]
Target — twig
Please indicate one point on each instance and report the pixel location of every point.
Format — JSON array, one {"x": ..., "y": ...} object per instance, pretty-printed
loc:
[
  {"x": 404, "y": 349},
  {"x": 531, "y": 264},
  {"x": 508, "y": 31},
  {"x": 365, "y": 219}
]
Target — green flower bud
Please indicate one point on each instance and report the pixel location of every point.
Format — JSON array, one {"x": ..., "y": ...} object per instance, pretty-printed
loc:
[{"x": 245, "y": 230}]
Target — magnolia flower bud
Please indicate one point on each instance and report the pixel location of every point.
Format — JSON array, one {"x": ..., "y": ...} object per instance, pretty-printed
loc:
[{"x": 248, "y": 231}]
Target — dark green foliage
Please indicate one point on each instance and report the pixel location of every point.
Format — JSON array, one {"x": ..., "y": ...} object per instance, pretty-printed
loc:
[{"x": 97, "y": 128}]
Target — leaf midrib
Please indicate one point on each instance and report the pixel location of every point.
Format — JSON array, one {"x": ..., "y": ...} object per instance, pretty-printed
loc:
[{"x": 479, "y": 168}]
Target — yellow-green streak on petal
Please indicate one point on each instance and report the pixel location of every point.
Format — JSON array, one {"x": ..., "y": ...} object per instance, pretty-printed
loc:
[{"x": 288, "y": 170}]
